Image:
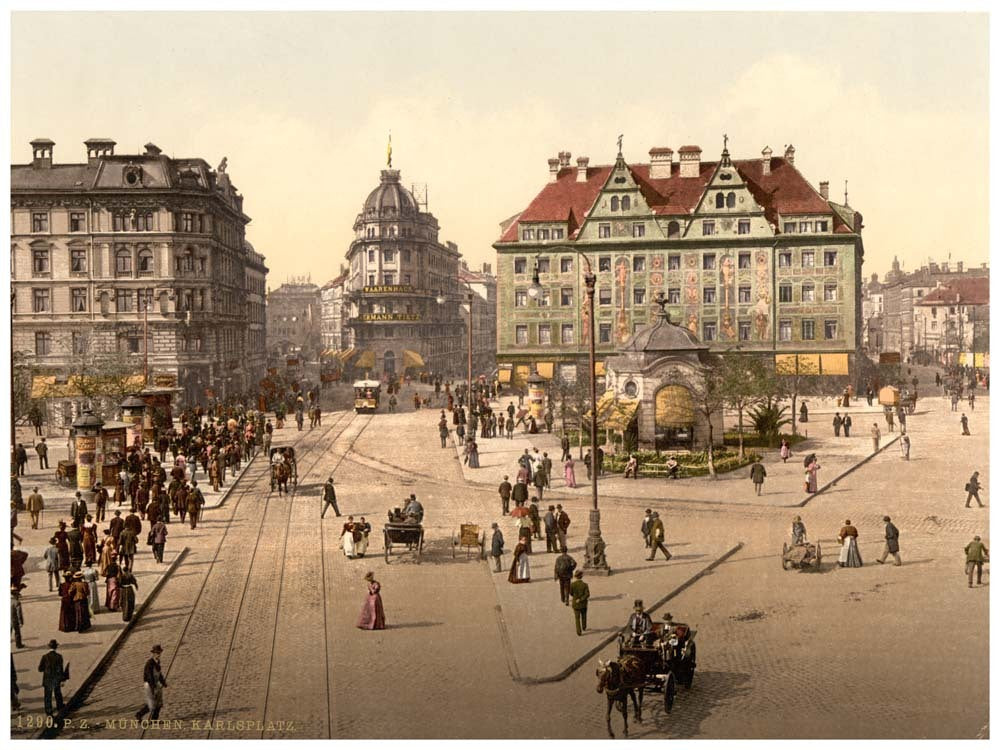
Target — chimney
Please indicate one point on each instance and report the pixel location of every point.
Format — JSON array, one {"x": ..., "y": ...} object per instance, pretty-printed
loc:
[
  {"x": 553, "y": 170},
  {"x": 98, "y": 148},
  {"x": 41, "y": 153},
  {"x": 581, "y": 168},
  {"x": 152, "y": 149},
  {"x": 564, "y": 157},
  {"x": 790, "y": 154},
  {"x": 661, "y": 160},
  {"x": 961, "y": 266},
  {"x": 690, "y": 157},
  {"x": 488, "y": 269},
  {"x": 824, "y": 190},
  {"x": 765, "y": 160}
]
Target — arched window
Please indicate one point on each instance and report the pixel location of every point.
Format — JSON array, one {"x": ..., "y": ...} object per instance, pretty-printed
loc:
[
  {"x": 720, "y": 200},
  {"x": 731, "y": 200},
  {"x": 673, "y": 229},
  {"x": 145, "y": 261},
  {"x": 123, "y": 262},
  {"x": 626, "y": 203},
  {"x": 614, "y": 203}
]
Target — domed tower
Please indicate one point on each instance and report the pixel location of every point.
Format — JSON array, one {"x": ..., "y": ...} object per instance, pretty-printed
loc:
[{"x": 398, "y": 273}]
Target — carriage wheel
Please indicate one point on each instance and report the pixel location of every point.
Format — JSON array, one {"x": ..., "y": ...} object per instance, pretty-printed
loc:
[
  {"x": 669, "y": 691},
  {"x": 420, "y": 546},
  {"x": 692, "y": 660},
  {"x": 784, "y": 551}
]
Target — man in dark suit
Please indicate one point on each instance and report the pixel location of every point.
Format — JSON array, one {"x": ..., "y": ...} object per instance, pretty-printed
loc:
[
  {"x": 53, "y": 676},
  {"x": 116, "y": 525},
  {"x": 564, "y": 567},
  {"x": 505, "y": 489},
  {"x": 329, "y": 498},
  {"x": 152, "y": 684},
  {"x": 891, "y": 542}
]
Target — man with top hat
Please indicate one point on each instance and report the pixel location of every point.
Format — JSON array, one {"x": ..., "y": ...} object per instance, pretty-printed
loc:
[
  {"x": 53, "y": 676},
  {"x": 152, "y": 684},
  {"x": 78, "y": 508},
  {"x": 16, "y": 613},
  {"x": 640, "y": 624}
]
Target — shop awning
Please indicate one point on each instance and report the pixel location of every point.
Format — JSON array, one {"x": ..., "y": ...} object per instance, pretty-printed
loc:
[
  {"x": 412, "y": 359},
  {"x": 614, "y": 413},
  {"x": 346, "y": 355},
  {"x": 545, "y": 369},
  {"x": 49, "y": 386},
  {"x": 366, "y": 361},
  {"x": 834, "y": 364},
  {"x": 504, "y": 376},
  {"x": 598, "y": 368}
]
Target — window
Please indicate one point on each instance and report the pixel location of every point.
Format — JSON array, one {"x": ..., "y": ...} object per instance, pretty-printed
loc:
[
  {"x": 79, "y": 343},
  {"x": 543, "y": 265},
  {"x": 389, "y": 278},
  {"x": 371, "y": 256},
  {"x": 743, "y": 295},
  {"x": 565, "y": 265},
  {"x": 407, "y": 255},
  {"x": 614, "y": 203},
  {"x": 805, "y": 226},
  {"x": 604, "y": 296},
  {"x": 544, "y": 334},
  {"x": 43, "y": 343},
  {"x": 638, "y": 230},
  {"x": 639, "y": 263},
  {"x": 78, "y": 260},
  {"x": 604, "y": 333},
  {"x": 39, "y": 222},
  {"x": 520, "y": 298},
  {"x": 543, "y": 234},
  {"x": 146, "y": 299},
  {"x": 707, "y": 228},
  {"x": 40, "y": 262},
  {"x": 933, "y": 312},
  {"x": 123, "y": 263},
  {"x": 187, "y": 222},
  {"x": 565, "y": 296},
  {"x": 566, "y": 335},
  {"x": 129, "y": 344},
  {"x": 371, "y": 279},
  {"x": 638, "y": 296},
  {"x": 77, "y": 222},
  {"x": 545, "y": 300},
  {"x": 406, "y": 279},
  {"x": 743, "y": 227},
  {"x": 604, "y": 263},
  {"x": 123, "y": 301},
  {"x": 784, "y": 260},
  {"x": 78, "y": 300},
  {"x": 708, "y": 295},
  {"x": 674, "y": 296},
  {"x": 626, "y": 203},
  {"x": 708, "y": 332},
  {"x": 389, "y": 255},
  {"x": 528, "y": 234},
  {"x": 790, "y": 227},
  {"x": 673, "y": 230},
  {"x": 785, "y": 293},
  {"x": 708, "y": 261},
  {"x": 557, "y": 233},
  {"x": 743, "y": 328},
  {"x": 40, "y": 300},
  {"x": 520, "y": 265},
  {"x": 720, "y": 200},
  {"x": 785, "y": 330},
  {"x": 808, "y": 330},
  {"x": 808, "y": 293},
  {"x": 145, "y": 262},
  {"x": 673, "y": 263},
  {"x": 829, "y": 292},
  {"x": 830, "y": 329},
  {"x": 731, "y": 200},
  {"x": 829, "y": 257},
  {"x": 603, "y": 231},
  {"x": 821, "y": 226},
  {"x": 743, "y": 260}
]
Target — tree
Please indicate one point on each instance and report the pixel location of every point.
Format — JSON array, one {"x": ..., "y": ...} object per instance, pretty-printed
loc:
[
  {"x": 745, "y": 382},
  {"x": 795, "y": 377},
  {"x": 574, "y": 406},
  {"x": 22, "y": 376},
  {"x": 707, "y": 395}
]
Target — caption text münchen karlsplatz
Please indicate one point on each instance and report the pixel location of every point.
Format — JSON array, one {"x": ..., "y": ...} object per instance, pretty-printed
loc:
[{"x": 200, "y": 725}]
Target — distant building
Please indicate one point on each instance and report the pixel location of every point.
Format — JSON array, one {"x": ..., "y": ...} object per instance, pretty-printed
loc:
[
  {"x": 484, "y": 317},
  {"x": 293, "y": 320},
  {"x": 141, "y": 256},
  {"x": 954, "y": 319},
  {"x": 332, "y": 327},
  {"x": 746, "y": 252}
]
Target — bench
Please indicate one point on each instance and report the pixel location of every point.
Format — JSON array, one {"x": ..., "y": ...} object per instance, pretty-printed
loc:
[{"x": 658, "y": 470}]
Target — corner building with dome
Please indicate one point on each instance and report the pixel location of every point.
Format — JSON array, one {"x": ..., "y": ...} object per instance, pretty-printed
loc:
[{"x": 403, "y": 292}]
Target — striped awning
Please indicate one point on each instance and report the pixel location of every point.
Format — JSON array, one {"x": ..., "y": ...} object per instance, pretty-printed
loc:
[
  {"x": 346, "y": 355},
  {"x": 412, "y": 359},
  {"x": 366, "y": 361}
]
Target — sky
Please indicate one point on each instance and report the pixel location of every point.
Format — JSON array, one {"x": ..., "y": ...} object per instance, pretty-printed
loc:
[{"x": 301, "y": 104}]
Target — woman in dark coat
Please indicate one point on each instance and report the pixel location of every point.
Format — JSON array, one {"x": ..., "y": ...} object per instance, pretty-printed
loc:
[
  {"x": 67, "y": 614},
  {"x": 127, "y": 586},
  {"x": 519, "y": 570},
  {"x": 112, "y": 598},
  {"x": 62, "y": 544}
]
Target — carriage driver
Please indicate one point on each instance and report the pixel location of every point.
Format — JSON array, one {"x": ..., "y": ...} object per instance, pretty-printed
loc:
[
  {"x": 414, "y": 508},
  {"x": 640, "y": 625}
]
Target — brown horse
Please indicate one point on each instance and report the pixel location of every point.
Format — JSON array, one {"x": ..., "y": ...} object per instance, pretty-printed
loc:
[{"x": 618, "y": 680}]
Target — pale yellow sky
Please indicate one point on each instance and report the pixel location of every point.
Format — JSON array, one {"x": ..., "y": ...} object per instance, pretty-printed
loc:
[{"x": 301, "y": 103}]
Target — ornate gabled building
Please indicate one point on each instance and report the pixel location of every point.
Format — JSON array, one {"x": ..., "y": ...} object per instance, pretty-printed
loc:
[
  {"x": 746, "y": 252},
  {"x": 139, "y": 254}
]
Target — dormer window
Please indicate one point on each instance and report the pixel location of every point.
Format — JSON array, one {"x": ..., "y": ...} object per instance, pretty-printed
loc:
[
  {"x": 626, "y": 203},
  {"x": 731, "y": 200},
  {"x": 614, "y": 203}
]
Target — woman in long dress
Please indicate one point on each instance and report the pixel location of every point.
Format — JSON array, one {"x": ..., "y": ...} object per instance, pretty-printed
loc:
[
  {"x": 569, "y": 472},
  {"x": 520, "y": 572},
  {"x": 67, "y": 611},
  {"x": 473, "y": 455},
  {"x": 108, "y": 550},
  {"x": 372, "y": 614},
  {"x": 812, "y": 481},
  {"x": 347, "y": 538},
  {"x": 850, "y": 557},
  {"x": 112, "y": 592},
  {"x": 786, "y": 450},
  {"x": 89, "y": 541}
]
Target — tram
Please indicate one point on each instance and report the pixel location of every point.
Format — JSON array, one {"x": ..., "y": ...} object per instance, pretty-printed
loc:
[{"x": 366, "y": 394}]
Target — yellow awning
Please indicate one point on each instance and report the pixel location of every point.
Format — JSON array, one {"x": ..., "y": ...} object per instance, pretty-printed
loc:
[
  {"x": 366, "y": 361},
  {"x": 504, "y": 376},
  {"x": 809, "y": 364},
  {"x": 834, "y": 364},
  {"x": 412, "y": 359},
  {"x": 674, "y": 407},
  {"x": 545, "y": 369},
  {"x": 346, "y": 355},
  {"x": 598, "y": 368},
  {"x": 614, "y": 413},
  {"x": 46, "y": 386}
]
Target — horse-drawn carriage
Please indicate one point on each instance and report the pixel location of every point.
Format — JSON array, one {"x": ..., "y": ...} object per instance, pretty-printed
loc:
[
  {"x": 283, "y": 472},
  {"x": 667, "y": 657},
  {"x": 400, "y": 530},
  {"x": 805, "y": 555}
]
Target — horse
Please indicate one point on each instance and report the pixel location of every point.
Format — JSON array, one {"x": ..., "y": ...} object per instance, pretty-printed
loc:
[
  {"x": 281, "y": 478},
  {"x": 618, "y": 680}
]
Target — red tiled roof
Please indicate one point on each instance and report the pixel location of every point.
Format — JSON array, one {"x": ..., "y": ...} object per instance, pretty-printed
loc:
[
  {"x": 784, "y": 191},
  {"x": 971, "y": 291}
]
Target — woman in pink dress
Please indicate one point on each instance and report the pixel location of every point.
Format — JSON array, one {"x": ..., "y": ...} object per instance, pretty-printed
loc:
[
  {"x": 372, "y": 615},
  {"x": 569, "y": 473}
]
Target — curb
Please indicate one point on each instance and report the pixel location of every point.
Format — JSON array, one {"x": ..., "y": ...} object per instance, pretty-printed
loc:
[
  {"x": 604, "y": 643},
  {"x": 232, "y": 485},
  {"x": 836, "y": 479},
  {"x": 95, "y": 673}
]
